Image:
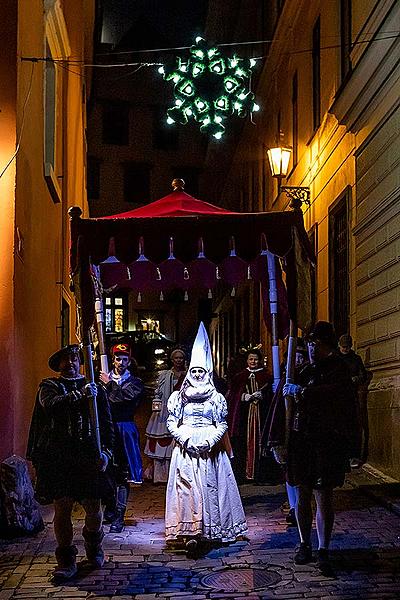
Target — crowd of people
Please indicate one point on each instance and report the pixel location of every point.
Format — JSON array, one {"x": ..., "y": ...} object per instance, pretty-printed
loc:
[{"x": 200, "y": 442}]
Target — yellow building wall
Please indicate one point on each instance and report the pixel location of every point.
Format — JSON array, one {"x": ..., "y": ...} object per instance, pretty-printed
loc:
[
  {"x": 331, "y": 162},
  {"x": 8, "y": 91},
  {"x": 39, "y": 264}
]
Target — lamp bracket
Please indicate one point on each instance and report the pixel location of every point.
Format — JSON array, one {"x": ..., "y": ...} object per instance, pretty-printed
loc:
[{"x": 297, "y": 195}]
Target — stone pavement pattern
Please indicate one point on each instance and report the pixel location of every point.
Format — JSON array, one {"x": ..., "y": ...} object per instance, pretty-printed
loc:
[{"x": 365, "y": 551}]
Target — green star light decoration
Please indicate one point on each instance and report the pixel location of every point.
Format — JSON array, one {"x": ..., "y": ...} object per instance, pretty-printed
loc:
[{"x": 208, "y": 87}]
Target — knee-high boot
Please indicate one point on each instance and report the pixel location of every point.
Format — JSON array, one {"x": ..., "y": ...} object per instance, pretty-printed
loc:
[
  {"x": 122, "y": 499},
  {"x": 93, "y": 547},
  {"x": 66, "y": 562}
]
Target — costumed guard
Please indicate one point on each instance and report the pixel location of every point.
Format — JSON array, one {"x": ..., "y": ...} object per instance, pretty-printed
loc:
[
  {"x": 159, "y": 440},
  {"x": 203, "y": 501},
  {"x": 274, "y": 432},
  {"x": 323, "y": 435},
  {"x": 62, "y": 447},
  {"x": 125, "y": 391},
  {"x": 249, "y": 399}
]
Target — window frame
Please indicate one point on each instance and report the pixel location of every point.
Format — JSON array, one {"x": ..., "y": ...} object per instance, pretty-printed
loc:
[{"x": 56, "y": 47}]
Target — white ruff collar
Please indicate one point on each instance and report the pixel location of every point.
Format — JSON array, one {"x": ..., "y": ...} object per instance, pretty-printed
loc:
[{"x": 119, "y": 379}]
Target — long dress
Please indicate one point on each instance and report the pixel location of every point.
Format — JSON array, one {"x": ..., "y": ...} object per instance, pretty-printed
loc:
[
  {"x": 158, "y": 439},
  {"x": 202, "y": 495},
  {"x": 246, "y": 420}
]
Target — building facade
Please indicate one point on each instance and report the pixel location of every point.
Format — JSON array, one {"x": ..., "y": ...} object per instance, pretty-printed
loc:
[
  {"x": 43, "y": 158},
  {"x": 329, "y": 90}
]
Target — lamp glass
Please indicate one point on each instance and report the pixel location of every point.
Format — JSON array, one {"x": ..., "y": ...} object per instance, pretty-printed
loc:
[{"x": 279, "y": 161}]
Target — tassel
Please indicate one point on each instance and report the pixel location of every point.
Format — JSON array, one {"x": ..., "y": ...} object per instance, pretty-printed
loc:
[
  {"x": 248, "y": 272},
  {"x": 158, "y": 274},
  {"x": 186, "y": 296},
  {"x": 233, "y": 292},
  {"x": 161, "y": 296},
  {"x": 217, "y": 273},
  {"x": 139, "y": 297},
  {"x": 209, "y": 295},
  {"x": 129, "y": 274}
]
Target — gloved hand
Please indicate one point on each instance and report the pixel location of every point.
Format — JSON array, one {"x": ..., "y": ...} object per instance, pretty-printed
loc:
[
  {"x": 246, "y": 398},
  {"x": 103, "y": 461},
  {"x": 255, "y": 397},
  {"x": 90, "y": 390},
  {"x": 191, "y": 448},
  {"x": 204, "y": 447},
  {"x": 291, "y": 389},
  {"x": 280, "y": 454}
]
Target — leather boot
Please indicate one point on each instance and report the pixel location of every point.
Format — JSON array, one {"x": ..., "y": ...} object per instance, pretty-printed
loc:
[
  {"x": 117, "y": 524},
  {"x": 93, "y": 548},
  {"x": 66, "y": 562}
]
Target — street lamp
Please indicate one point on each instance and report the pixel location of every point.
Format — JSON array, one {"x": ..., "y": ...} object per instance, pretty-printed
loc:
[{"x": 279, "y": 163}]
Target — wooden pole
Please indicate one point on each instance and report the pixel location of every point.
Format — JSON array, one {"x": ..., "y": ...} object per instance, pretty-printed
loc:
[
  {"x": 290, "y": 364},
  {"x": 89, "y": 372},
  {"x": 80, "y": 265},
  {"x": 273, "y": 305}
]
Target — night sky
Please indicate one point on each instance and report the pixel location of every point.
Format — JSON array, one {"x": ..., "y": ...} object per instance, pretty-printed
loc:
[{"x": 142, "y": 24}]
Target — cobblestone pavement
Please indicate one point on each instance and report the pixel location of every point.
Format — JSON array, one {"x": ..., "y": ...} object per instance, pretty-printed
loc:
[{"x": 365, "y": 551}]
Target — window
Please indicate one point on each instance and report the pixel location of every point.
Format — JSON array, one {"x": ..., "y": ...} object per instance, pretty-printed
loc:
[
  {"x": 115, "y": 314},
  {"x": 339, "y": 265},
  {"x": 93, "y": 178},
  {"x": 295, "y": 120},
  {"x": 316, "y": 74},
  {"x": 57, "y": 47},
  {"x": 313, "y": 237},
  {"x": 345, "y": 38},
  {"x": 136, "y": 183},
  {"x": 116, "y": 123}
]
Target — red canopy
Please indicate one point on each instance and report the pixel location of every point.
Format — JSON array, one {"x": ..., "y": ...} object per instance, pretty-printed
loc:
[
  {"x": 177, "y": 204},
  {"x": 188, "y": 220}
]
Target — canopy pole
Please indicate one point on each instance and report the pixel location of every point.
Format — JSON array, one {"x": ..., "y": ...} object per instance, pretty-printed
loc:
[
  {"x": 273, "y": 304},
  {"x": 290, "y": 365},
  {"x": 99, "y": 309},
  {"x": 89, "y": 372}
]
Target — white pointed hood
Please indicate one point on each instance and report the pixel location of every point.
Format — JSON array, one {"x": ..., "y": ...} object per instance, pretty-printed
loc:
[
  {"x": 201, "y": 351},
  {"x": 201, "y": 357}
]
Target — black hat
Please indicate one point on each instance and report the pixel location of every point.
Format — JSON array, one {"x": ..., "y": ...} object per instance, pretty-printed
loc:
[
  {"x": 346, "y": 340},
  {"x": 54, "y": 360},
  {"x": 325, "y": 333}
]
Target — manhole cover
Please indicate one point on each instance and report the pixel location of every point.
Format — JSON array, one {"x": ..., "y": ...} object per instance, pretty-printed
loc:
[{"x": 241, "y": 580}]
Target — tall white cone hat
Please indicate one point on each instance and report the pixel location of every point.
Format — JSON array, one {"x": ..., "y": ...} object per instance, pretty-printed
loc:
[{"x": 201, "y": 351}]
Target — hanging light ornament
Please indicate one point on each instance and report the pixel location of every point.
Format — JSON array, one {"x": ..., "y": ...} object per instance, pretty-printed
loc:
[{"x": 209, "y": 87}]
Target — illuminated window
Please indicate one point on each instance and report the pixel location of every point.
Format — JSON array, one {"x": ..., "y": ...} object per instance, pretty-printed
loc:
[
  {"x": 115, "y": 314},
  {"x": 150, "y": 324}
]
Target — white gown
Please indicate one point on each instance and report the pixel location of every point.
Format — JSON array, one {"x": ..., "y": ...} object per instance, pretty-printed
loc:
[{"x": 202, "y": 495}]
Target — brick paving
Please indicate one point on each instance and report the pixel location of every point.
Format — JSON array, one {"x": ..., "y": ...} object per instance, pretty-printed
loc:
[{"x": 365, "y": 551}]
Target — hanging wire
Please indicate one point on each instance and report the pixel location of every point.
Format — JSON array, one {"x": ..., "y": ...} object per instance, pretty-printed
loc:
[
  {"x": 22, "y": 120},
  {"x": 383, "y": 37}
]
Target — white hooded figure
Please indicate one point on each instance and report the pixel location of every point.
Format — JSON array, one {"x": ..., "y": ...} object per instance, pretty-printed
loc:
[{"x": 203, "y": 500}]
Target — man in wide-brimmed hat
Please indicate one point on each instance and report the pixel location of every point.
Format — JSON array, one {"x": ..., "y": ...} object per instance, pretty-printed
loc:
[
  {"x": 62, "y": 447},
  {"x": 125, "y": 391},
  {"x": 322, "y": 438}
]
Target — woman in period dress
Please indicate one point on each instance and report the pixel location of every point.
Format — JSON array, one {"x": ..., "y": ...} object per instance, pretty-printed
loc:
[
  {"x": 203, "y": 501},
  {"x": 159, "y": 440}
]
